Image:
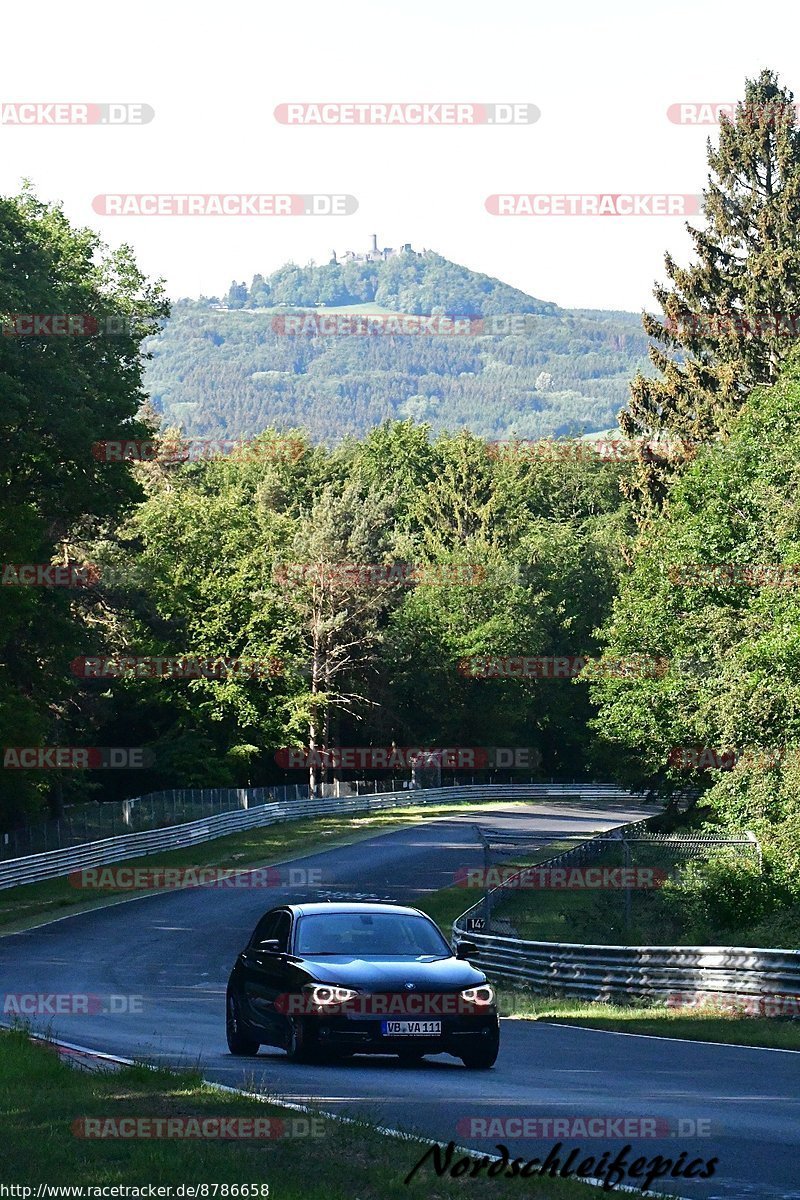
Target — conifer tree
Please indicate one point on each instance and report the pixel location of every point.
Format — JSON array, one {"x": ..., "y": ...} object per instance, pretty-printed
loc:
[{"x": 731, "y": 317}]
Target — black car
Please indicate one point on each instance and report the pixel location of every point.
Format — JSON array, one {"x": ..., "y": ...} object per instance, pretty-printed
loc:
[{"x": 328, "y": 980}]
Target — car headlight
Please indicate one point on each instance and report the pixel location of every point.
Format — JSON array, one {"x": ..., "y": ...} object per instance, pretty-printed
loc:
[
  {"x": 324, "y": 994},
  {"x": 482, "y": 994}
]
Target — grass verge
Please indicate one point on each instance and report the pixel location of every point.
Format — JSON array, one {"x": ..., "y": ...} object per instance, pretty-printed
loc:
[
  {"x": 705, "y": 1024},
  {"x": 44, "y": 1097}
]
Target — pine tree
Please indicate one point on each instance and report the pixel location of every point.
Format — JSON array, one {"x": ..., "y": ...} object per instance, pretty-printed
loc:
[{"x": 730, "y": 318}]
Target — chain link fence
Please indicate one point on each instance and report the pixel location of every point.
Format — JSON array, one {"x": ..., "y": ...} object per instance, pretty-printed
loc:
[{"x": 606, "y": 888}]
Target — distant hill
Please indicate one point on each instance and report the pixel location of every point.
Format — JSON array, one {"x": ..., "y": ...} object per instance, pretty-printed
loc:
[{"x": 228, "y": 368}]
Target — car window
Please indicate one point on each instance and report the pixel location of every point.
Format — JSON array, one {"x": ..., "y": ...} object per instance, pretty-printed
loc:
[
  {"x": 265, "y": 928},
  {"x": 365, "y": 934},
  {"x": 283, "y": 927}
]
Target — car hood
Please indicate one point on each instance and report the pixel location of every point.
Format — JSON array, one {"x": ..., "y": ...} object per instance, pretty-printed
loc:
[{"x": 392, "y": 974}]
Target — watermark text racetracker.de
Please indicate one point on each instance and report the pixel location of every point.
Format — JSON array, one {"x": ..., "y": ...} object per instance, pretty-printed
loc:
[
  {"x": 491, "y": 1126},
  {"x": 133, "y": 1191},
  {"x": 718, "y": 325},
  {"x": 382, "y": 758},
  {"x": 780, "y": 575},
  {"x": 563, "y": 666},
  {"x": 225, "y": 204},
  {"x": 560, "y": 878},
  {"x": 316, "y": 324},
  {"x": 408, "y": 112},
  {"x": 193, "y": 1128},
  {"x": 711, "y": 758},
  {"x": 198, "y": 450},
  {"x": 368, "y": 575},
  {"x": 164, "y": 878},
  {"x": 709, "y": 112},
  {"x": 599, "y": 204},
  {"x": 191, "y": 666},
  {"x": 76, "y": 758},
  {"x": 48, "y": 575},
  {"x": 763, "y": 1004},
  {"x": 63, "y": 1004},
  {"x": 322, "y": 1000},
  {"x": 60, "y": 324},
  {"x": 38, "y": 112}
]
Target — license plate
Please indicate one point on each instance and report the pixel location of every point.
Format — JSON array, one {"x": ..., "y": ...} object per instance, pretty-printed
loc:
[{"x": 412, "y": 1028}]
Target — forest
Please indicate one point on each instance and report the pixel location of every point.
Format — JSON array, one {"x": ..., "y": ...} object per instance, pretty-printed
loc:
[
  {"x": 312, "y": 595},
  {"x": 229, "y": 368}
]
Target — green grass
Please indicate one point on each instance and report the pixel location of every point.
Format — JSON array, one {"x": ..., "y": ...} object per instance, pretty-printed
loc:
[
  {"x": 33, "y": 903},
  {"x": 698, "y": 1024},
  {"x": 44, "y": 1097}
]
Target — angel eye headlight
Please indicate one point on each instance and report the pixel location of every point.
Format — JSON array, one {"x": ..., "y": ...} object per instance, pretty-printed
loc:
[
  {"x": 324, "y": 994},
  {"x": 482, "y": 994}
]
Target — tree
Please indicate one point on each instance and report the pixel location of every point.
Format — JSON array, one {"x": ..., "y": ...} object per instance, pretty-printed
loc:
[
  {"x": 714, "y": 592},
  {"x": 237, "y": 295},
  {"x": 731, "y": 317},
  {"x": 339, "y": 595},
  {"x": 62, "y": 397}
]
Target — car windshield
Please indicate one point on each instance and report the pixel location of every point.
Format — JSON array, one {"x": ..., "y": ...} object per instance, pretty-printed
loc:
[{"x": 369, "y": 934}]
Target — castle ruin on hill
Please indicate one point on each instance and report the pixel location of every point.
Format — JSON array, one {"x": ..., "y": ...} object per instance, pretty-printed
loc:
[{"x": 371, "y": 255}]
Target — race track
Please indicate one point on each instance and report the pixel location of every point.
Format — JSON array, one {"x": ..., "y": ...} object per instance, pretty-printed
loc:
[{"x": 172, "y": 953}]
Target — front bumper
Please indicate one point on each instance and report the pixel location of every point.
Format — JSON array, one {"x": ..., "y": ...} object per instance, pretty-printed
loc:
[{"x": 364, "y": 1035}]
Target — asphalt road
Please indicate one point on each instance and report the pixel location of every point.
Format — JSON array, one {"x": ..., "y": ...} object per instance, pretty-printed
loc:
[{"x": 166, "y": 959}]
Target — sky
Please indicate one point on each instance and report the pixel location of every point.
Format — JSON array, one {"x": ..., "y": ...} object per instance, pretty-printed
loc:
[{"x": 602, "y": 76}]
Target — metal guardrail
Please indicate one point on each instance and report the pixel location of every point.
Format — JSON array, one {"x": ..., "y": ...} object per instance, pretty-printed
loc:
[
  {"x": 93, "y": 822},
  {"x": 55, "y": 863},
  {"x": 763, "y": 981},
  {"x": 679, "y": 974}
]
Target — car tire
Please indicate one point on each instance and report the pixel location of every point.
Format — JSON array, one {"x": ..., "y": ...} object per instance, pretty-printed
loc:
[
  {"x": 300, "y": 1048},
  {"x": 481, "y": 1058},
  {"x": 235, "y": 1030}
]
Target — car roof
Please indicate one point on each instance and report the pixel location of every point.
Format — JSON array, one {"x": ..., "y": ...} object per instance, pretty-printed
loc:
[{"x": 350, "y": 906}]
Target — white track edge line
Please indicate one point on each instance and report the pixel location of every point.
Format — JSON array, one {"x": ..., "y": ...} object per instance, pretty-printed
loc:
[{"x": 659, "y": 1037}]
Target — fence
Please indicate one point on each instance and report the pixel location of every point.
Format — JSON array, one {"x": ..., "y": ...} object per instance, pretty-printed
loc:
[
  {"x": 266, "y": 806},
  {"x": 761, "y": 980},
  {"x": 632, "y": 847},
  {"x": 92, "y": 822}
]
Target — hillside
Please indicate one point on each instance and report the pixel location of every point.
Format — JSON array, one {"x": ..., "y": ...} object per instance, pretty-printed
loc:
[{"x": 229, "y": 368}]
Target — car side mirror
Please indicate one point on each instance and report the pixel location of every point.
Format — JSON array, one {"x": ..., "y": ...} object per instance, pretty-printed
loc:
[
  {"x": 466, "y": 949},
  {"x": 270, "y": 945}
]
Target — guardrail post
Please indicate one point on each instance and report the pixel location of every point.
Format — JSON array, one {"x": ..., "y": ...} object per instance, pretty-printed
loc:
[
  {"x": 752, "y": 838},
  {"x": 627, "y": 848}
]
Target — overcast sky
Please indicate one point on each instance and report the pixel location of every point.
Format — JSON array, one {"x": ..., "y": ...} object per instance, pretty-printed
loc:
[{"x": 603, "y": 76}]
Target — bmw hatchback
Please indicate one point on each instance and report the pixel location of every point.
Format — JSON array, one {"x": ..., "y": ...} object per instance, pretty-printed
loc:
[{"x": 336, "y": 979}]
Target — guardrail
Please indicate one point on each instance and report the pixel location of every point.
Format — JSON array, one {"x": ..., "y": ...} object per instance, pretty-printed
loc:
[
  {"x": 55, "y": 863},
  {"x": 93, "y": 822},
  {"x": 763, "y": 981},
  {"x": 680, "y": 975}
]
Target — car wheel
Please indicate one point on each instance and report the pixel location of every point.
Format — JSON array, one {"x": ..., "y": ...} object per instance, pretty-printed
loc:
[
  {"x": 481, "y": 1058},
  {"x": 300, "y": 1047},
  {"x": 235, "y": 1030}
]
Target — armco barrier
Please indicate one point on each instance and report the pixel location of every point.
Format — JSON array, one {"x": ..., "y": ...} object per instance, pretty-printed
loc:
[
  {"x": 55, "y": 863},
  {"x": 761, "y": 980},
  {"x": 677, "y": 973}
]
